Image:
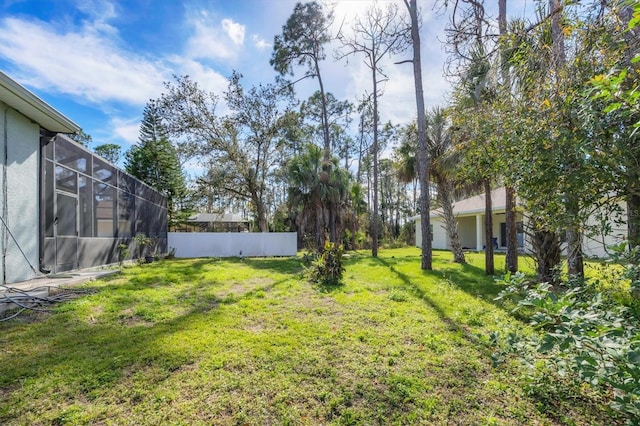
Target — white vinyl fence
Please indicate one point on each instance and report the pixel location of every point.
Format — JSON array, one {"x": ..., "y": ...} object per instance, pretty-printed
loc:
[{"x": 230, "y": 244}]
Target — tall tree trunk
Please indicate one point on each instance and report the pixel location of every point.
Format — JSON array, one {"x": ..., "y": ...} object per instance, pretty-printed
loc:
[
  {"x": 374, "y": 151},
  {"x": 445, "y": 192},
  {"x": 422, "y": 158},
  {"x": 489, "y": 267},
  {"x": 262, "y": 218},
  {"x": 575, "y": 258},
  {"x": 511, "y": 261},
  {"x": 320, "y": 228},
  {"x": 326, "y": 159},
  {"x": 546, "y": 248},
  {"x": 360, "y": 152},
  {"x": 557, "y": 33},
  {"x": 300, "y": 234},
  {"x": 632, "y": 196}
]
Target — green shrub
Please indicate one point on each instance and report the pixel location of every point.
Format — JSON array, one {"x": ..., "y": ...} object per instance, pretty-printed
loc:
[
  {"x": 327, "y": 268},
  {"x": 582, "y": 334},
  {"x": 123, "y": 253}
]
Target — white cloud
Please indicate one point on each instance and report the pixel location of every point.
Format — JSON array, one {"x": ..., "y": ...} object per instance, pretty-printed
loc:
[
  {"x": 84, "y": 64},
  {"x": 100, "y": 10},
  {"x": 212, "y": 40},
  {"x": 208, "y": 42},
  {"x": 260, "y": 43},
  {"x": 127, "y": 130},
  {"x": 234, "y": 30}
]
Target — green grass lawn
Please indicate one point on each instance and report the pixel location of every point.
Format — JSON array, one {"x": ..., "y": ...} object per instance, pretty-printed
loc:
[{"x": 250, "y": 341}]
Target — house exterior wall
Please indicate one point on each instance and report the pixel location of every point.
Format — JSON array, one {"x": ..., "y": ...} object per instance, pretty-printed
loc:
[
  {"x": 593, "y": 246},
  {"x": 467, "y": 232},
  {"x": 440, "y": 238},
  {"x": 19, "y": 201},
  {"x": 596, "y": 246}
]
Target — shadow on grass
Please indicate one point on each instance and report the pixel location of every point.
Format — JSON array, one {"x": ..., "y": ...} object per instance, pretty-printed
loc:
[
  {"x": 469, "y": 278},
  {"x": 83, "y": 355},
  {"x": 161, "y": 273},
  {"x": 283, "y": 265},
  {"x": 422, "y": 295}
]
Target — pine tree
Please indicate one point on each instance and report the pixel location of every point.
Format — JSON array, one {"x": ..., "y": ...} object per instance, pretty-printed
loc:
[{"x": 154, "y": 160}]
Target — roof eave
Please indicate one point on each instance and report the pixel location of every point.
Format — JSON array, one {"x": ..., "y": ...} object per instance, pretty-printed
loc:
[{"x": 31, "y": 106}]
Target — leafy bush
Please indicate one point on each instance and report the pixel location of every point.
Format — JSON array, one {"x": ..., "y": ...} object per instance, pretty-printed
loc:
[
  {"x": 327, "y": 268},
  {"x": 630, "y": 261},
  {"x": 583, "y": 334},
  {"x": 123, "y": 253},
  {"x": 141, "y": 241}
]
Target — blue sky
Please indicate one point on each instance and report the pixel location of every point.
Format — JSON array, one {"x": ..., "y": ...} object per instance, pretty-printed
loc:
[{"x": 100, "y": 61}]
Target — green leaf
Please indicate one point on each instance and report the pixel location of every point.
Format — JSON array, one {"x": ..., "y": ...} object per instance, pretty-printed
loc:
[
  {"x": 634, "y": 356},
  {"x": 547, "y": 344},
  {"x": 612, "y": 107}
]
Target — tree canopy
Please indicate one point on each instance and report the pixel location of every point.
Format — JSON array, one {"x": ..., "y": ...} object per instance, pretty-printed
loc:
[{"x": 154, "y": 161}]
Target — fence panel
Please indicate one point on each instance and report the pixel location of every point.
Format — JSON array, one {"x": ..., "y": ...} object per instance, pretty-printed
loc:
[{"x": 230, "y": 244}]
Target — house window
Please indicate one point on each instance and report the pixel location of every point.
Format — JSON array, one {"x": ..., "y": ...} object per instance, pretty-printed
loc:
[{"x": 519, "y": 234}]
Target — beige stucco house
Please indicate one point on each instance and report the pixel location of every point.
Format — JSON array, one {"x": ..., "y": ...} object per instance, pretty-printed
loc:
[{"x": 470, "y": 215}]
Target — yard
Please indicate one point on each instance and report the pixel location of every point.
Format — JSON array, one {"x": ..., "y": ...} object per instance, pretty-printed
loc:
[{"x": 250, "y": 341}]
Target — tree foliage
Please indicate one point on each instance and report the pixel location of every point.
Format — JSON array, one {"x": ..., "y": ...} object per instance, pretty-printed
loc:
[
  {"x": 82, "y": 138},
  {"x": 154, "y": 161},
  {"x": 379, "y": 34},
  {"x": 109, "y": 151},
  {"x": 241, "y": 150},
  {"x": 312, "y": 197},
  {"x": 302, "y": 43}
]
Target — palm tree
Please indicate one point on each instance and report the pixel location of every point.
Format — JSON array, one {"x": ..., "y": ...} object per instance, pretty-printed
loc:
[
  {"x": 445, "y": 157},
  {"x": 313, "y": 194}
]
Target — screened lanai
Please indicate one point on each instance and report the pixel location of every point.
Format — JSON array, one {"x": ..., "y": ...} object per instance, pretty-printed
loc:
[{"x": 89, "y": 208}]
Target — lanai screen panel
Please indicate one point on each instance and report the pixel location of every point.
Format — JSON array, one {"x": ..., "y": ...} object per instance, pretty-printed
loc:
[{"x": 98, "y": 204}]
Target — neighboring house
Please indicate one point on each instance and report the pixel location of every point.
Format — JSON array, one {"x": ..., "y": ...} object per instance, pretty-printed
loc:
[
  {"x": 61, "y": 206},
  {"x": 470, "y": 216},
  {"x": 214, "y": 222}
]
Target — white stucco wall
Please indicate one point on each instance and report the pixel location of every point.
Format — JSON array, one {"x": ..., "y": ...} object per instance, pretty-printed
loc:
[
  {"x": 440, "y": 238},
  {"x": 19, "y": 199},
  {"x": 467, "y": 232},
  {"x": 598, "y": 245},
  {"x": 230, "y": 244}
]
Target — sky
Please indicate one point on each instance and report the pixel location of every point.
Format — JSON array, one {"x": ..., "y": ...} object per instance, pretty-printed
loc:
[{"x": 99, "y": 62}]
